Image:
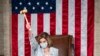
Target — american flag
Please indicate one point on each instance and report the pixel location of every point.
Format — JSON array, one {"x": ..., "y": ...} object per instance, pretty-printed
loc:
[{"x": 56, "y": 17}]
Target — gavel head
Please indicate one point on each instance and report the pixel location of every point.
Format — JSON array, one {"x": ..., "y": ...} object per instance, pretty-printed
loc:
[{"x": 23, "y": 11}]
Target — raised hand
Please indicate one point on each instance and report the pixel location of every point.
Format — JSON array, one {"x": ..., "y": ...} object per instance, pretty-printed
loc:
[{"x": 28, "y": 26}]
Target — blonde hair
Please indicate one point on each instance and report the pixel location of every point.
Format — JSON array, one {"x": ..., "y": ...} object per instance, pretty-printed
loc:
[{"x": 45, "y": 36}]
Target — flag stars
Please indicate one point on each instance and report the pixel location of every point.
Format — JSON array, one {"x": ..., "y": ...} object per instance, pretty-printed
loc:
[
  {"x": 29, "y": 3},
  {"x": 46, "y": 3},
  {"x": 51, "y": 8},
  {"x": 36, "y": 6},
  {"x": 33, "y": 8},
  {"x": 42, "y": 8},
  {"x": 38, "y": 3},
  {"x": 16, "y": 8},
  {"x": 20, "y": 3},
  {"x": 25, "y": 8}
]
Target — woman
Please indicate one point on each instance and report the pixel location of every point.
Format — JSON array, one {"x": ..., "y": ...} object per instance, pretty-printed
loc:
[{"x": 43, "y": 45}]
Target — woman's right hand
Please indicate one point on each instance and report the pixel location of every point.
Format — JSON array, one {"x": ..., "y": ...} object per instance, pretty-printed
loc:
[{"x": 28, "y": 26}]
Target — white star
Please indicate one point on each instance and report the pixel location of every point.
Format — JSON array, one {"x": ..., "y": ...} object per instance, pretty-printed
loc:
[
  {"x": 33, "y": 8},
  {"x": 50, "y": 7},
  {"x": 38, "y": 3},
  {"x": 25, "y": 8},
  {"x": 29, "y": 3},
  {"x": 46, "y": 3},
  {"x": 42, "y": 8},
  {"x": 20, "y": 3},
  {"x": 16, "y": 8}
]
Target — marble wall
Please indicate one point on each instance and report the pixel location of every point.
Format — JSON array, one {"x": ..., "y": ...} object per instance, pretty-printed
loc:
[{"x": 97, "y": 28}]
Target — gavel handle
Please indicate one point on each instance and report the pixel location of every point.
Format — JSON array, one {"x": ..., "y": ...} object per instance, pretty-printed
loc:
[{"x": 26, "y": 19}]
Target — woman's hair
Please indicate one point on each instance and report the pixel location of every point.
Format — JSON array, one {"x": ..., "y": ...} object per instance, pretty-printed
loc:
[{"x": 45, "y": 36}]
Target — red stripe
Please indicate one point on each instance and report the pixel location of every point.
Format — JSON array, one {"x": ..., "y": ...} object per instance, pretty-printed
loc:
[
  {"x": 52, "y": 23},
  {"x": 65, "y": 17},
  {"x": 90, "y": 28},
  {"x": 77, "y": 27},
  {"x": 40, "y": 23},
  {"x": 27, "y": 43},
  {"x": 14, "y": 35}
]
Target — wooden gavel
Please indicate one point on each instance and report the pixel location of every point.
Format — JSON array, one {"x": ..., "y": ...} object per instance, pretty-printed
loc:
[{"x": 24, "y": 11}]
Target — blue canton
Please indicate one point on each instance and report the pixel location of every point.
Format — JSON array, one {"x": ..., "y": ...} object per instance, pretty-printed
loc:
[{"x": 34, "y": 6}]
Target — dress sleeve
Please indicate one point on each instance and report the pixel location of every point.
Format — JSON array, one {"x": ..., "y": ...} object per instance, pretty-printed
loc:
[
  {"x": 57, "y": 52},
  {"x": 33, "y": 41}
]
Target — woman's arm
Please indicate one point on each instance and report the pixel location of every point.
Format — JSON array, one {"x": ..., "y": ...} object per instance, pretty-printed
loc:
[{"x": 32, "y": 39}]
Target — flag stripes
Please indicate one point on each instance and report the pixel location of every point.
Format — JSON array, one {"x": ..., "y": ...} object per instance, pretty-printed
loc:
[
  {"x": 77, "y": 27},
  {"x": 46, "y": 23},
  {"x": 52, "y": 23},
  {"x": 84, "y": 28},
  {"x": 90, "y": 28},
  {"x": 65, "y": 17},
  {"x": 40, "y": 23},
  {"x": 58, "y": 17},
  {"x": 21, "y": 33},
  {"x": 71, "y": 17},
  {"x": 14, "y": 35}
]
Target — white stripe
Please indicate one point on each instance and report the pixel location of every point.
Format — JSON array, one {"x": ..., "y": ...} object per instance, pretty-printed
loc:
[
  {"x": 34, "y": 29},
  {"x": 20, "y": 35},
  {"x": 71, "y": 17},
  {"x": 71, "y": 20},
  {"x": 84, "y": 28},
  {"x": 34, "y": 23},
  {"x": 58, "y": 16},
  {"x": 46, "y": 23}
]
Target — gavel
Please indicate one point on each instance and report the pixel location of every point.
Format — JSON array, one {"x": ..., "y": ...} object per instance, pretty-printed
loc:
[{"x": 24, "y": 11}]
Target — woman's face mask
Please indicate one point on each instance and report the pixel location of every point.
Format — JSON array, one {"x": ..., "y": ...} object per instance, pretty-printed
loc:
[{"x": 44, "y": 44}]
